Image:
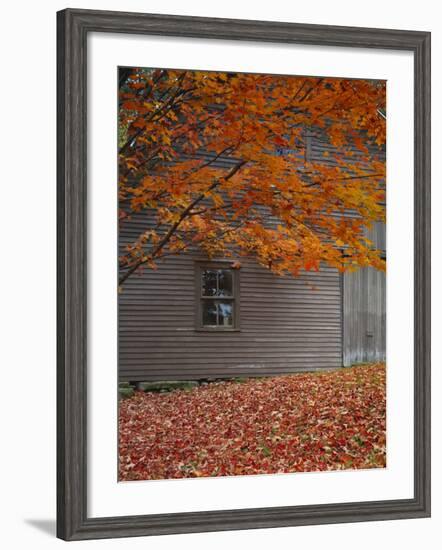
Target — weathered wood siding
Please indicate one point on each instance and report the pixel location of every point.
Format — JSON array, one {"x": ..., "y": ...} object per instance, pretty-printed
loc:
[
  {"x": 364, "y": 316},
  {"x": 364, "y": 309},
  {"x": 286, "y": 325}
]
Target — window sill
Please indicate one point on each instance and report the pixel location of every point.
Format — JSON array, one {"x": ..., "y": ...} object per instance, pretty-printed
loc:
[{"x": 206, "y": 329}]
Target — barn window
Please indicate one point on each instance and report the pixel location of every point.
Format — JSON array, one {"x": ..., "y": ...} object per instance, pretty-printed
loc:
[{"x": 217, "y": 296}]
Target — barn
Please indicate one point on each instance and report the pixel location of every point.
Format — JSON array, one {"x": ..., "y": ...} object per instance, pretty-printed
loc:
[{"x": 196, "y": 318}]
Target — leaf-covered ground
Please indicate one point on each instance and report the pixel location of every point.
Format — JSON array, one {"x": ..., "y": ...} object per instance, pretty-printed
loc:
[{"x": 298, "y": 423}]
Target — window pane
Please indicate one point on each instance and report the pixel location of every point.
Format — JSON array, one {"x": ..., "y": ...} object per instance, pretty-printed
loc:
[
  {"x": 225, "y": 280},
  {"x": 209, "y": 282},
  {"x": 216, "y": 313},
  {"x": 225, "y": 314},
  {"x": 217, "y": 282},
  {"x": 210, "y": 316}
]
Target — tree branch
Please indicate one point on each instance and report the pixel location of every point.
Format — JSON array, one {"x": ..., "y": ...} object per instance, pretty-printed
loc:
[{"x": 162, "y": 243}]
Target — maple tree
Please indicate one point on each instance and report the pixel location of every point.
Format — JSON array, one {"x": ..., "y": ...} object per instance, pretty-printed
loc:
[
  {"x": 216, "y": 161},
  {"x": 295, "y": 423}
]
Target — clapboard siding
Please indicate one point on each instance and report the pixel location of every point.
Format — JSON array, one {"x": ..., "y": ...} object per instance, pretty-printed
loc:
[
  {"x": 319, "y": 149},
  {"x": 286, "y": 325}
]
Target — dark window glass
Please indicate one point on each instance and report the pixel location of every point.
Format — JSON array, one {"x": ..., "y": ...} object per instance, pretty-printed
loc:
[
  {"x": 217, "y": 313},
  {"x": 225, "y": 314},
  {"x": 225, "y": 282},
  {"x": 210, "y": 313},
  {"x": 210, "y": 282},
  {"x": 217, "y": 282}
]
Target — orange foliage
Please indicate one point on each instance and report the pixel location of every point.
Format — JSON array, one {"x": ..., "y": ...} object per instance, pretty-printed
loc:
[{"x": 167, "y": 118}]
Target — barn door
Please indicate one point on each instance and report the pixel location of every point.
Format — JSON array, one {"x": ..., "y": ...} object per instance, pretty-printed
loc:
[{"x": 363, "y": 316}]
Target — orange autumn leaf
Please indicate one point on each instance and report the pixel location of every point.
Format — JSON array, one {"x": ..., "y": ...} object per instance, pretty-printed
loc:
[{"x": 218, "y": 161}]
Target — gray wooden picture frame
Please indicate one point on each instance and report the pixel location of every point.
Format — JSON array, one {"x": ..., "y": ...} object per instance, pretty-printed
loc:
[{"x": 73, "y": 27}]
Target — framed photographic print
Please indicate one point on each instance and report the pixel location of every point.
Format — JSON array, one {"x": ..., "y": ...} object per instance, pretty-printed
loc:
[{"x": 243, "y": 274}]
